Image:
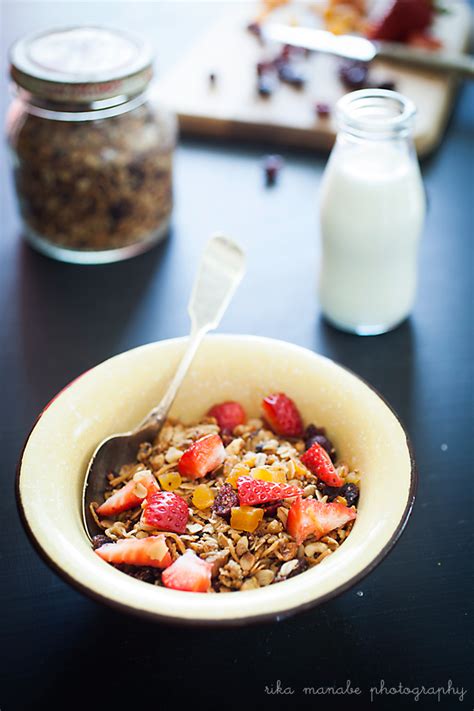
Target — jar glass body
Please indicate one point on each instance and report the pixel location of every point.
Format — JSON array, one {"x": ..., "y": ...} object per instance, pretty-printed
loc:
[
  {"x": 94, "y": 185},
  {"x": 372, "y": 209}
]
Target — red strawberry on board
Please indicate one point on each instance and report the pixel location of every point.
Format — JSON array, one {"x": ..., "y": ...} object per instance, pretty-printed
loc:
[
  {"x": 166, "y": 511},
  {"x": 308, "y": 517},
  {"x": 202, "y": 457},
  {"x": 257, "y": 491},
  {"x": 131, "y": 495},
  {"x": 188, "y": 572},
  {"x": 403, "y": 18},
  {"x": 318, "y": 461},
  {"x": 282, "y": 415},
  {"x": 151, "y": 551},
  {"x": 228, "y": 415}
]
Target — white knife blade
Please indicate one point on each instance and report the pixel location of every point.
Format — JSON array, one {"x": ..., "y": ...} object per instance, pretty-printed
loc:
[
  {"x": 364, "y": 50},
  {"x": 348, "y": 46}
]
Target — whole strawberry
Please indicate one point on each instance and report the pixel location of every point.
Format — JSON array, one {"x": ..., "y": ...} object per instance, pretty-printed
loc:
[
  {"x": 402, "y": 19},
  {"x": 228, "y": 414}
]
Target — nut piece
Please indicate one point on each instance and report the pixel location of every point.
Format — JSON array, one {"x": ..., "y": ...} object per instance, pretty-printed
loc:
[
  {"x": 265, "y": 577},
  {"x": 250, "y": 584},
  {"x": 242, "y": 546}
]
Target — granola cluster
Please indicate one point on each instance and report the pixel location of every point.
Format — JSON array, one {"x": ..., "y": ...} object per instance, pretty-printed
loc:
[
  {"x": 90, "y": 185},
  {"x": 240, "y": 559}
]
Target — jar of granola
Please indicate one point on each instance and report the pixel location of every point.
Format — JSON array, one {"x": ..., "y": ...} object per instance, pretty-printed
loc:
[{"x": 92, "y": 149}]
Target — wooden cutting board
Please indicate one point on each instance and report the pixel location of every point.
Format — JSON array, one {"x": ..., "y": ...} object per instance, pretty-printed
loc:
[{"x": 232, "y": 108}]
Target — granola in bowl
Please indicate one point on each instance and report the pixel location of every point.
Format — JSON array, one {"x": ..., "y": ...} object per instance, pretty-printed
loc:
[{"x": 228, "y": 504}]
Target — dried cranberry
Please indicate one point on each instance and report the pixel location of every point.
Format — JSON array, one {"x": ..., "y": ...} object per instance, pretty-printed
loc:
[
  {"x": 322, "y": 109},
  {"x": 290, "y": 74},
  {"x": 271, "y": 507},
  {"x": 100, "y": 540},
  {"x": 354, "y": 74},
  {"x": 225, "y": 500},
  {"x": 318, "y": 434},
  {"x": 264, "y": 68},
  {"x": 330, "y": 491},
  {"x": 255, "y": 29},
  {"x": 272, "y": 166},
  {"x": 350, "y": 492},
  {"x": 266, "y": 85}
]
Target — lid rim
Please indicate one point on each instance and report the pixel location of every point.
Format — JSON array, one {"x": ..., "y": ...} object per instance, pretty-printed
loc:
[{"x": 53, "y": 82}]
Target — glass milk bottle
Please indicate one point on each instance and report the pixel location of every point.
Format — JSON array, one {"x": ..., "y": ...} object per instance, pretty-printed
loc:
[{"x": 372, "y": 211}]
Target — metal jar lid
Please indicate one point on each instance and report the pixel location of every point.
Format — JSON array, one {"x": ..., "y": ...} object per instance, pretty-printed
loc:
[{"x": 81, "y": 64}]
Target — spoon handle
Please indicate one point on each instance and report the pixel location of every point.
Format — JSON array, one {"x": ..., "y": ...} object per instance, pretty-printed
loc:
[{"x": 220, "y": 272}]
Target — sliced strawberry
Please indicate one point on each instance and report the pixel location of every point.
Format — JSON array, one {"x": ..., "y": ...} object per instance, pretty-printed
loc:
[
  {"x": 151, "y": 551},
  {"x": 318, "y": 461},
  {"x": 166, "y": 511},
  {"x": 202, "y": 457},
  {"x": 228, "y": 415},
  {"x": 189, "y": 573},
  {"x": 257, "y": 491},
  {"x": 282, "y": 415},
  {"x": 402, "y": 18},
  {"x": 131, "y": 495},
  {"x": 308, "y": 517}
]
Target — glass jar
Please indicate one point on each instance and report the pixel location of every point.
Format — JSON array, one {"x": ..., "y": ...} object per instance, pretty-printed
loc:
[
  {"x": 372, "y": 210},
  {"x": 92, "y": 149}
]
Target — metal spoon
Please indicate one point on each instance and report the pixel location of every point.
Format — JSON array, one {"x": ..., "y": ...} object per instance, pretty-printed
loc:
[{"x": 220, "y": 271}]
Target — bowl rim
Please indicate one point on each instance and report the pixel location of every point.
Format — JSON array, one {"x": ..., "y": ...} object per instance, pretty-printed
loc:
[{"x": 237, "y": 621}]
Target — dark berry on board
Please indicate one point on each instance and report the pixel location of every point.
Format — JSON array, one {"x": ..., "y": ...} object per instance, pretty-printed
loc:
[
  {"x": 353, "y": 74},
  {"x": 255, "y": 29},
  {"x": 272, "y": 166},
  {"x": 350, "y": 492},
  {"x": 225, "y": 500},
  {"x": 100, "y": 540},
  {"x": 266, "y": 85},
  {"x": 212, "y": 78},
  {"x": 264, "y": 68},
  {"x": 322, "y": 109},
  {"x": 290, "y": 74}
]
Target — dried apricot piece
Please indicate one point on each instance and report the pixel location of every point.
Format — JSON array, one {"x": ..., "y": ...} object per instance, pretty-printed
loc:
[
  {"x": 275, "y": 475},
  {"x": 238, "y": 470},
  {"x": 246, "y": 518}
]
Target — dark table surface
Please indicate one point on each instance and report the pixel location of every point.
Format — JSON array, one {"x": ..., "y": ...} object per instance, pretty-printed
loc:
[{"x": 410, "y": 621}]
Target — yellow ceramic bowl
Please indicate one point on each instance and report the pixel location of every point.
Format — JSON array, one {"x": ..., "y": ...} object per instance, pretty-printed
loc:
[{"x": 115, "y": 396}]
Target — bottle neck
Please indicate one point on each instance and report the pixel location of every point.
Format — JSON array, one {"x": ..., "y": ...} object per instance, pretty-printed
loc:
[{"x": 375, "y": 115}]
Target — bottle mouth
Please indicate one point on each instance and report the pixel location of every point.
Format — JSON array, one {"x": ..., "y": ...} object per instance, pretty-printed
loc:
[{"x": 375, "y": 113}]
